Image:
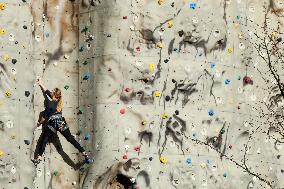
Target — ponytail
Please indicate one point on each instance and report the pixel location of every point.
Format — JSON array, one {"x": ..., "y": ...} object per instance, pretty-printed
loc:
[{"x": 59, "y": 104}]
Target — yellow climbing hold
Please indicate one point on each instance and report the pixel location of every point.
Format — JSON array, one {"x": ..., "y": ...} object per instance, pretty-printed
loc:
[
  {"x": 13, "y": 137},
  {"x": 160, "y": 45},
  {"x": 157, "y": 94},
  {"x": 6, "y": 57},
  {"x": 160, "y": 2},
  {"x": 2, "y": 153},
  {"x": 274, "y": 34},
  {"x": 230, "y": 50},
  {"x": 2, "y": 31},
  {"x": 170, "y": 24},
  {"x": 165, "y": 116},
  {"x": 163, "y": 160},
  {"x": 144, "y": 123},
  {"x": 152, "y": 67},
  {"x": 2, "y": 6},
  {"x": 8, "y": 93},
  {"x": 203, "y": 165}
]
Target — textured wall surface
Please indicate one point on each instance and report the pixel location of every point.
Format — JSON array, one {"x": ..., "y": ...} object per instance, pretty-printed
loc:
[
  {"x": 38, "y": 38},
  {"x": 162, "y": 93},
  {"x": 182, "y": 94}
]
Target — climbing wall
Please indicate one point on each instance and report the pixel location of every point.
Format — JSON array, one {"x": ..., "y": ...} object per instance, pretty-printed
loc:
[
  {"x": 38, "y": 38},
  {"x": 182, "y": 94}
]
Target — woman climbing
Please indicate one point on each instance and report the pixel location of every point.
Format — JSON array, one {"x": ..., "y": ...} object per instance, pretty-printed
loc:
[{"x": 52, "y": 119}]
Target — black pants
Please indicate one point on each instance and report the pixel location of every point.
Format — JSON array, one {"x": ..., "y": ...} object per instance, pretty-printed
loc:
[{"x": 47, "y": 134}]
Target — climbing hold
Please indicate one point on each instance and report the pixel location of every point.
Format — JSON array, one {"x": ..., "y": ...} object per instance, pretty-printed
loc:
[
  {"x": 167, "y": 98},
  {"x": 14, "y": 61},
  {"x": 227, "y": 81},
  {"x": 9, "y": 124},
  {"x": 211, "y": 113},
  {"x": 88, "y": 136},
  {"x": 6, "y": 57},
  {"x": 144, "y": 123},
  {"x": 2, "y": 31},
  {"x": 230, "y": 50},
  {"x": 13, "y": 170},
  {"x": 81, "y": 49},
  {"x": 170, "y": 24},
  {"x": 160, "y": 2},
  {"x": 124, "y": 17},
  {"x": 55, "y": 173},
  {"x": 74, "y": 183},
  {"x": 8, "y": 94},
  {"x": 222, "y": 131},
  {"x": 163, "y": 160},
  {"x": 13, "y": 71},
  {"x": 2, "y": 153},
  {"x": 122, "y": 111},
  {"x": 152, "y": 67},
  {"x": 137, "y": 148},
  {"x": 27, "y": 93},
  {"x": 213, "y": 65},
  {"x": 125, "y": 156},
  {"x": 225, "y": 174},
  {"x": 2, "y": 6},
  {"x": 27, "y": 142},
  {"x": 87, "y": 76},
  {"x": 160, "y": 45},
  {"x": 192, "y": 6},
  {"x": 157, "y": 94},
  {"x": 85, "y": 62},
  {"x": 189, "y": 161},
  {"x": 37, "y": 38},
  {"x": 165, "y": 116},
  {"x": 247, "y": 80},
  {"x": 66, "y": 87}
]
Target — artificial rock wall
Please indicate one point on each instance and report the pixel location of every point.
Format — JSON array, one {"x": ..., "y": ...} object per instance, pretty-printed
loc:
[
  {"x": 182, "y": 94},
  {"x": 162, "y": 93}
]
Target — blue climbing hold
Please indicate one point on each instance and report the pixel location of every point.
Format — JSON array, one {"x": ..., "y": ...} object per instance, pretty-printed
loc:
[
  {"x": 88, "y": 136},
  {"x": 227, "y": 81},
  {"x": 213, "y": 65},
  {"x": 192, "y": 6},
  {"x": 189, "y": 161},
  {"x": 87, "y": 76},
  {"x": 211, "y": 113}
]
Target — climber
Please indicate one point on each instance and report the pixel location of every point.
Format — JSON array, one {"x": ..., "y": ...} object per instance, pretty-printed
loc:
[{"x": 51, "y": 118}]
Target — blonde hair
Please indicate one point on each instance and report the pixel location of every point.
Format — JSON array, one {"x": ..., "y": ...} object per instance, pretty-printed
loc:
[{"x": 58, "y": 96}]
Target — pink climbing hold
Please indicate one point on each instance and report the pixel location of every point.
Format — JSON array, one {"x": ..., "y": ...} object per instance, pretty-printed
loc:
[
  {"x": 247, "y": 80},
  {"x": 137, "y": 148},
  {"x": 122, "y": 111},
  {"x": 125, "y": 157}
]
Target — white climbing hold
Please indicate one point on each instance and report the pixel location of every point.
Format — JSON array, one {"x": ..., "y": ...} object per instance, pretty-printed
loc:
[
  {"x": 132, "y": 28},
  {"x": 38, "y": 173},
  {"x": 194, "y": 20},
  {"x": 11, "y": 37},
  {"x": 9, "y": 124},
  {"x": 242, "y": 46},
  {"x": 66, "y": 56},
  {"x": 55, "y": 63},
  {"x": 258, "y": 151},
  {"x": 133, "y": 180},
  {"x": 128, "y": 130},
  {"x": 126, "y": 147},
  {"x": 138, "y": 63},
  {"x": 37, "y": 38},
  {"x": 13, "y": 71},
  {"x": 13, "y": 170}
]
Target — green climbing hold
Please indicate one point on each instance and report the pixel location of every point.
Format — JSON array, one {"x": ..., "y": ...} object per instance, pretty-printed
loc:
[
  {"x": 85, "y": 62},
  {"x": 55, "y": 173},
  {"x": 239, "y": 78},
  {"x": 66, "y": 87},
  {"x": 81, "y": 49},
  {"x": 222, "y": 131}
]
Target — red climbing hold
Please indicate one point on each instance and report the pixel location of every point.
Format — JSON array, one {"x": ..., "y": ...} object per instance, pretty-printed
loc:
[
  {"x": 247, "y": 80},
  {"x": 137, "y": 148},
  {"x": 125, "y": 157},
  {"x": 122, "y": 111}
]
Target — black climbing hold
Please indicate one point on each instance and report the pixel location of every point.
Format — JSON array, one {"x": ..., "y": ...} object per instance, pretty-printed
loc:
[
  {"x": 27, "y": 93},
  {"x": 14, "y": 61},
  {"x": 180, "y": 33},
  {"x": 25, "y": 27},
  {"x": 168, "y": 98},
  {"x": 176, "y": 112},
  {"x": 150, "y": 158},
  {"x": 24, "y": 1},
  {"x": 279, "y": 39},
  {"x": 109, "y": 35},
  {"x": 16, "y": 42},
  {"x": 174, "y": 81},
  {"x": 166, "y": 61},
  {"x": 26, "y": 188},
  {"x": 27, "y": 142}
]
